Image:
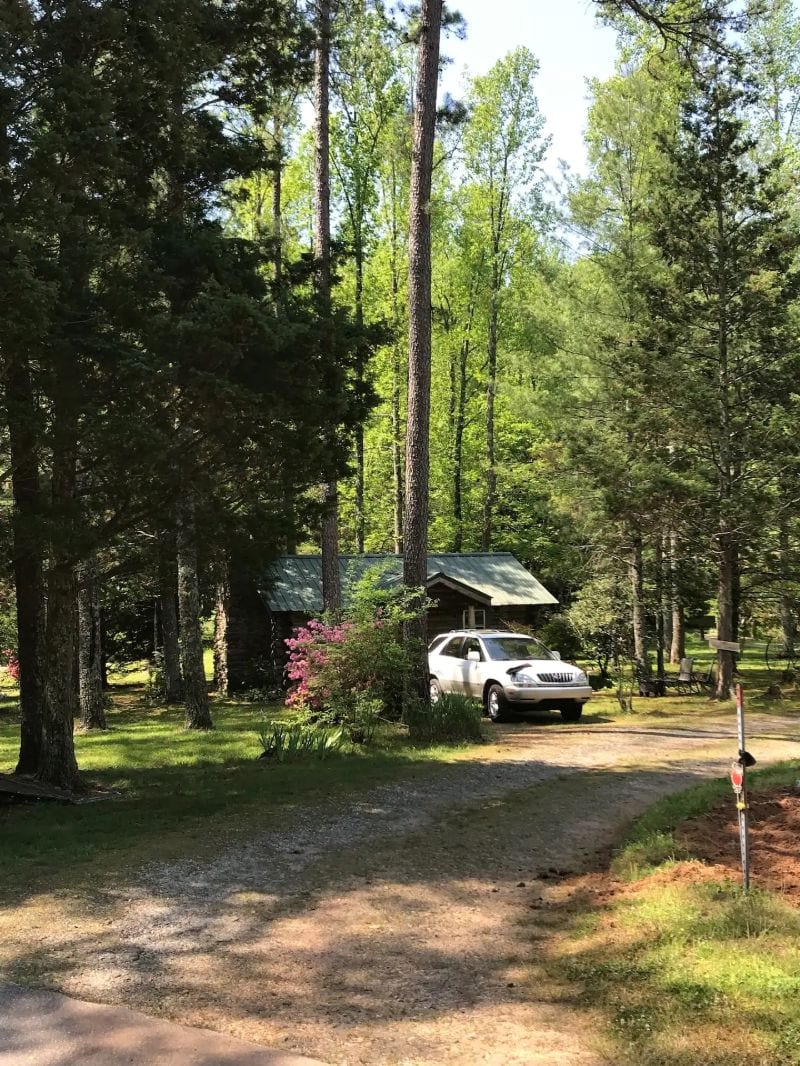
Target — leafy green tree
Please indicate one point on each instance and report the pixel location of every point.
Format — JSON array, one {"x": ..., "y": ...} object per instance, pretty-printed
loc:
[
  {"x": 724, "y": 231},
  {"x": 503, "y": 146}
]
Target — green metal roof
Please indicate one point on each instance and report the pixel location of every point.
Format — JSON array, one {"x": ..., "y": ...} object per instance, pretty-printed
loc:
[{"x": 294, "y": 582}]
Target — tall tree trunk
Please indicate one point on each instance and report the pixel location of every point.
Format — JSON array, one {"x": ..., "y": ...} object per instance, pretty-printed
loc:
[
  {"x": 661, "y": 613},
  {"x": 168, "y": 611},
  {"x": 57, "y": 764},
  {"x": 639, "y": 618},
  {"x": 90, "y": 659},
  {"x": 331, "y": 583},
  {"x": 415, "y": 530},
  {"x": 788, "y": 601},
  {"x": 678, "y": 648},
  {"x": 27, "y": 558},
  {"x": 277, "y": 204},
  {"x": 490, "y": 499},
  {"x": 198, "y": 714},
  {"x": 727, "y": 606},
  {"x": 460, "y": 421},
  {"x": 665, "y": 573},
  {"x": 360, "y": 370},
  {"x": 726, "y": 610},
  {"x": 397, "y": 429}
]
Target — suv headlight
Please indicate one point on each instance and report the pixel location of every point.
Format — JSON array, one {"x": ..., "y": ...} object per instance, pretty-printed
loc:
[
  {"x": 580, "y": 678},
  {"x": 524, "y": 679}
]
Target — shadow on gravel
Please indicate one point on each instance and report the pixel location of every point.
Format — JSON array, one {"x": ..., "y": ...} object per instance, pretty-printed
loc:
[
  {"x": 358, "y": 926},
  {"x": 390, "y": 926}
]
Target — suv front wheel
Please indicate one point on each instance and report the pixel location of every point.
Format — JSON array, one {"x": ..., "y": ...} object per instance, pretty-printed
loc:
[
  {"x": 572, "y": 712},
  {"x": 496, "y": 703}
]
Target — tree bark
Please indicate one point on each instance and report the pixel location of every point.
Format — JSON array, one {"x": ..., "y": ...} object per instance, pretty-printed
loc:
[
  {"x": 639, "y": 620},
  {"x": 665, "y": 576},
  {"x": 678, "y": 648},
  {"x": 728, "y": 574},
  {"x": 415, "y": 530},
  {"x": 168, "y": 610},
  {"x": 360, "y": 370},
  {"x": 662, "y": 614},
  {"x": 460, "y": 421},
  {"x": 58, "y": 765},
  {"x": 331, "y": 584},
  {"x": 90, "y": 659},
  {"x": 491, "y": 394},
  {"x": 27, "y": 559},
  {"x": 788, "y": 602},
  {"x": 397, "y": 433},
  {"x": 726, "y": 611},
  {"x": 198, "y": 714},
  {"x": 277, "y": 204}
]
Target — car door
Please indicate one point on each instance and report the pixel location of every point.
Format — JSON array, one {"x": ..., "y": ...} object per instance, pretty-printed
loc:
[
  {"x": 448, "y": 665},
  {"x": 470, "y": 672}
]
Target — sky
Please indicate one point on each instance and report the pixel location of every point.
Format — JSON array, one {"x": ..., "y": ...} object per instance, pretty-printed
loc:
[{"x": 568, "y": 41}]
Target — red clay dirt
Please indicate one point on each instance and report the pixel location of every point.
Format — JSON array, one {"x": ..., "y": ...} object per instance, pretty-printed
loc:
[{"x": 774, "y": 833}]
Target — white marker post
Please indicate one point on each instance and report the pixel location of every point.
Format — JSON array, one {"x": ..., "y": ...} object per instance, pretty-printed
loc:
[
  {"x": 739, "y": 774},
  {"x": 739, "y": 769}
]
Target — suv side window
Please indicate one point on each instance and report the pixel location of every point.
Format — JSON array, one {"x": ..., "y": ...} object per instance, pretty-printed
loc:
[
  {"x": 453, "y": 648},
  {"x": 473, "y": 644}
]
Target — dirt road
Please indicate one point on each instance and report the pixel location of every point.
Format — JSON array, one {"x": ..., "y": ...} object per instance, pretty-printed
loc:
[{"x": 399, "y": 929}]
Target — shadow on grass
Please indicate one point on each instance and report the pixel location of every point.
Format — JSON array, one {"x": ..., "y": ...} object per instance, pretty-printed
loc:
[{"x": 376, "y": 934}]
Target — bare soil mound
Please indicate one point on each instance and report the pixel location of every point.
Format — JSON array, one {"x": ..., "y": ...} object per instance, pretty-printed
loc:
[{"x": 774, "y": 839}]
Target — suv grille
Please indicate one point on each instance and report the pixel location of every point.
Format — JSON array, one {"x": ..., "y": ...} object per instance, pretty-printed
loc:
[{"x": 556, "y": 679}]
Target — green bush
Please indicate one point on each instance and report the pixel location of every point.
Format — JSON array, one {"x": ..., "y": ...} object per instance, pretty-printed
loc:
[
  {"x": 290, "y": 742},
  {"x": 451, "y": 719},
  {"x": 560, "y": 634}
]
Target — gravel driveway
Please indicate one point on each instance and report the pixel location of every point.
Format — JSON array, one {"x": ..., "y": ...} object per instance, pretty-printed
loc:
[{"x": 398, "y": 928}]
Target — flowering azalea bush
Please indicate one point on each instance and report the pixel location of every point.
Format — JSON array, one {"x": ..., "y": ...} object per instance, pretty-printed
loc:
[
  {"x": 311, "y": 670},
  {"x": 353, "y": 669},
  {"x": 11, "y": 663}
]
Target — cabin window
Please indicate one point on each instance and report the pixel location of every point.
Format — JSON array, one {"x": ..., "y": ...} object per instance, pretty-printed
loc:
[{"x": 474, "y": 618}]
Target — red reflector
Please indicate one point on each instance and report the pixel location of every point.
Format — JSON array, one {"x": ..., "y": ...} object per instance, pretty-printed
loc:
[{"x": 737, "y": 777}]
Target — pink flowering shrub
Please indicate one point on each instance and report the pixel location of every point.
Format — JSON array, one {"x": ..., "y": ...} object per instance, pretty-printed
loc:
[
  {"x": 311, "y": 667},
  {"x": 338, "y": 668},
  {"x": 11, "y": 663}
]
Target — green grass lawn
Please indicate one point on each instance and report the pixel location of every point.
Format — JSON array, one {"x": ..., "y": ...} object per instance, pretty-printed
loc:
[
  {"x": 173, "y": 792},
  {"x": 687, "y": 969}
]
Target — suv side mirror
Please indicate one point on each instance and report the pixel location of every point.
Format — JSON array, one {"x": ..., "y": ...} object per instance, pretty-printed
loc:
[
  {"x": 474, "y": 656},
  {"x": 556, "y": 655}
]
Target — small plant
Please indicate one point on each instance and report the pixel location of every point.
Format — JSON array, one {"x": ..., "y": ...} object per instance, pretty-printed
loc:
[
  {"x": 362, "y": 718},
  {"x": 286, "y": 742},
  {"x": 451, "y": 719}
]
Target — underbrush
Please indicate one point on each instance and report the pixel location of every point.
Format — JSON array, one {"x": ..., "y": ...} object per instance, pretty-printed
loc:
[
  {"x": 451, "y": 719},
  {"x": 688, "y": 969}
]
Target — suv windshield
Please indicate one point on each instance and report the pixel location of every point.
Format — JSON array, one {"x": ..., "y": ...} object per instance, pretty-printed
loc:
[{"x": 516, "y": 648}]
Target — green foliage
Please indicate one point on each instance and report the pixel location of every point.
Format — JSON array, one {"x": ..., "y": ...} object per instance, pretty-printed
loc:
[
  {"x": 452, "y": 719},
  {"x": 600, "y": 616},
  {"x": 560, "y": 634}
]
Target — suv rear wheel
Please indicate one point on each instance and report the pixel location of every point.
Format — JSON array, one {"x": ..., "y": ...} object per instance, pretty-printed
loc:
[
  {"x": 436, "y": 690},
  {"x": 496, "y": 703}
]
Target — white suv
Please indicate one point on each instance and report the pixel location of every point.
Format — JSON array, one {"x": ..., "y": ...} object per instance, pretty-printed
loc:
[{"x": 507, "y": 672}]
